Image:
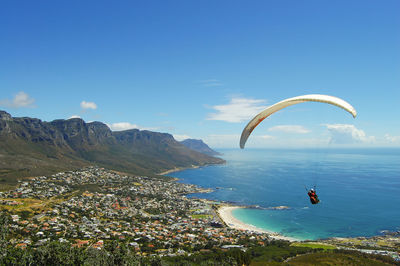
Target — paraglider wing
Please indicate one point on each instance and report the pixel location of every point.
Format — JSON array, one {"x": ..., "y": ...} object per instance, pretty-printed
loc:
[{"x": 291, "y": 101}]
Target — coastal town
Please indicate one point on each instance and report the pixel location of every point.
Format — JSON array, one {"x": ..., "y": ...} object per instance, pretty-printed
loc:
[
  {"x": 91, "y": 206},
  {"x": 152, "y": 215}
]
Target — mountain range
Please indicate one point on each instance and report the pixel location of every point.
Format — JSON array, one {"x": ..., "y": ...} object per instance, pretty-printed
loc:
[{"x": 31, "y": 147}]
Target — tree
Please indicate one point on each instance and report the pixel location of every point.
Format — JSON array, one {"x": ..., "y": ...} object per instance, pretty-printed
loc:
[{"x": 3, "y": 233}]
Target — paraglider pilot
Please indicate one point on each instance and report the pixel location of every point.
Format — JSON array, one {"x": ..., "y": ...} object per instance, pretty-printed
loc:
[{"x": 313, "y": 196}]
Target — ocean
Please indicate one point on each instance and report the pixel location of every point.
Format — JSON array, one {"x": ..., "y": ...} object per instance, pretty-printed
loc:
[{"x": 359, "y": 189}]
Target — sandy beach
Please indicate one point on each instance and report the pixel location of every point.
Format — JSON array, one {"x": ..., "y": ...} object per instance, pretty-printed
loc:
[{"x": 225, "y": 212}]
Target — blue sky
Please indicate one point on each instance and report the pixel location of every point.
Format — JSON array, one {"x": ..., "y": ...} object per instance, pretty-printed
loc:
[{"x": 202, "y": 69}]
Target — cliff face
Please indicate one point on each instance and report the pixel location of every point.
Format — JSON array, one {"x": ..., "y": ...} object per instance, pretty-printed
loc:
[
  {"x": 80, "y": 135},
  {"x": 29, "y": 146}
]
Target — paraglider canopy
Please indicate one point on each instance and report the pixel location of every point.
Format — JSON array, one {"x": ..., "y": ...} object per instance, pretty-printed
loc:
[{"x": 291, "y": 101}]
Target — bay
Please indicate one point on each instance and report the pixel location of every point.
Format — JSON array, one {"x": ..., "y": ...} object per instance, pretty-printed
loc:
[{"x": 359, "y": 189}]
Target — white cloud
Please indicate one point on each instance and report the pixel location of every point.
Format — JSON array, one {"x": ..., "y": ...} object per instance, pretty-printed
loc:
[
  {"x": 181, "y": 137},
  {"x": 238, "y": 110},
  {"x": 21, "y": 99},
  {"x": 290, "y": 129},
  {"x": 88, "y": 105},
  {"x": 210, "y": 83},
  {"x": 121, "y": 126},
  {"x": 266, "y": 137},
  {"x": 74, "y": 116},
  {"x": 392, "y": 139},
  {"x": 348, "y": 134}
]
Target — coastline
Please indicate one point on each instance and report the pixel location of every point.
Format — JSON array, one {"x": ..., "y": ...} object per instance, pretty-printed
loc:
[
  {"x": 177, "y": 169},
  {"x": 225, "y": 213}
]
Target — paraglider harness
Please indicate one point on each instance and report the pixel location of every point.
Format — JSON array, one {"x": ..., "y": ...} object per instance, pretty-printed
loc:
[{"x": 313, "y": 195}]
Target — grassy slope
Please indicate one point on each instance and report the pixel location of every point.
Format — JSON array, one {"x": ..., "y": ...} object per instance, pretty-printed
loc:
[
  {"x": 335, "y": 259},
  {"x": 25, "y": 159},
  {"x": 313, "y": 245}
]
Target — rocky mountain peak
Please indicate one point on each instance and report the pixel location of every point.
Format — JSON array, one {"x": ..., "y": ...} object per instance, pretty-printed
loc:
[{"x": 5, "y": 116}]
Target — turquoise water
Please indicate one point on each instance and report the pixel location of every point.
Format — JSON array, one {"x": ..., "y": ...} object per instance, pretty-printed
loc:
[{"x": 359, "y": 189}]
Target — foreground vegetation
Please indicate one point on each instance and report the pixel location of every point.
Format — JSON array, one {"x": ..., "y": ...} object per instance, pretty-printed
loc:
[
  {"x": 342, "y": 257},
  {"x": 113, "y": 253}
]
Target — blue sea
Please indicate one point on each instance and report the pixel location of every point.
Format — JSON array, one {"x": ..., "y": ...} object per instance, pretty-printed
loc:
[{"x": 359, "y": 189}]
